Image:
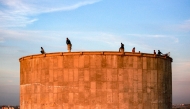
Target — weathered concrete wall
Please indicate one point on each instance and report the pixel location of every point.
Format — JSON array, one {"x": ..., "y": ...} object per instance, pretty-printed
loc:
[{"x": 95, "y": 80}]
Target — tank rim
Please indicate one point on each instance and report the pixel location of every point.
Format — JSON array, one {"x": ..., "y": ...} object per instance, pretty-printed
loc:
[{"x": 94, "y": 53}]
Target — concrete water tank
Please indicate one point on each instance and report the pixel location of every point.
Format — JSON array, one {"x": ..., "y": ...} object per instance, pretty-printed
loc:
[{"x": 95, "y": 80}]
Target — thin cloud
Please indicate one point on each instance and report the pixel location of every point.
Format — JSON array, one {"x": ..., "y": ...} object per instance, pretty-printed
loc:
[
  {"x": 1, "y": 39},
  {"x": 145, "y": 43},
  {"x": 147, "y": 35},
  {"x": 185, "y": 26},
  {"x": 155, "y": 36},
  {"x": 19, "y": 13},
  {"x": 70, "y": 7},
  {"x": 28, "y": 35},
  {"x": 104, "y": 37}
]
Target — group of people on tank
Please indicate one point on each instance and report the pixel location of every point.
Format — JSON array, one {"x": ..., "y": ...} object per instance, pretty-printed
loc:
[
  {"x": 121, "y": 49},
  {"x": 69, "y": 46}
]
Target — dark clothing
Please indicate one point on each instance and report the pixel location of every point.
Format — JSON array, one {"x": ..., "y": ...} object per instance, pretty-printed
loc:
[
  {"x": 122, "y": 46},
  {"x": 121, "y": 49},
  {"x": 133, "y": 50},
  {"x": 68, "y": 41},
  {"x": 69, "y": 45},
  {"x": 159, "y": 52},
  {"x": 42, "y": 50},
  {"x": 154, "y": 52}
]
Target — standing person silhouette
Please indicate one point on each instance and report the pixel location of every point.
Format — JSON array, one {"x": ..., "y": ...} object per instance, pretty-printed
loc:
[
  {"x": 154, "y": 52},
  {"x": 69, "y": 45},
  {"x": 121, "y": 49},
  {"x": 42, "y": 50},
  {"x": 133, "y": 50}
]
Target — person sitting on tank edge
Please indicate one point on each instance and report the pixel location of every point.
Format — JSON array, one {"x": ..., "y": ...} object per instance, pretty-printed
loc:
[
  {"x": 159, "y": 52},
  {"x": 42, "y": 50},
  {"x": 121, "y": 49},
  {"x": 154, "y": 52},
  {"x": 133, "y": 50},
  {"x": 69, "y": 45}
]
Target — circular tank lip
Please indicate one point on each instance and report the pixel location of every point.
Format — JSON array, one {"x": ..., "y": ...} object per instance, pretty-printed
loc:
[{"x": 95, "y": 53}]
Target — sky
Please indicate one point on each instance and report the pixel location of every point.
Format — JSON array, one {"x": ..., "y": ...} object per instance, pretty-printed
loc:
[{"x": 94, "y": 25}]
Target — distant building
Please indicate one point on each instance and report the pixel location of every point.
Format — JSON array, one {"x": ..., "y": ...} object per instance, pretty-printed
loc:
[
  {"x": 7, "y": 107},
  {"x": 181, "y": 106}
]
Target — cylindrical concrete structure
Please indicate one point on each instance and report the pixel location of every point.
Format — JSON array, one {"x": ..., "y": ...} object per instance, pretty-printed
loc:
[{"x": 95, "y": 80}]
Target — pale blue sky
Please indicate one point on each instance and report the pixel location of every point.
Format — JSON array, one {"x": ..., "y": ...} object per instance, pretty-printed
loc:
[{"x": 93, "y": 25}]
